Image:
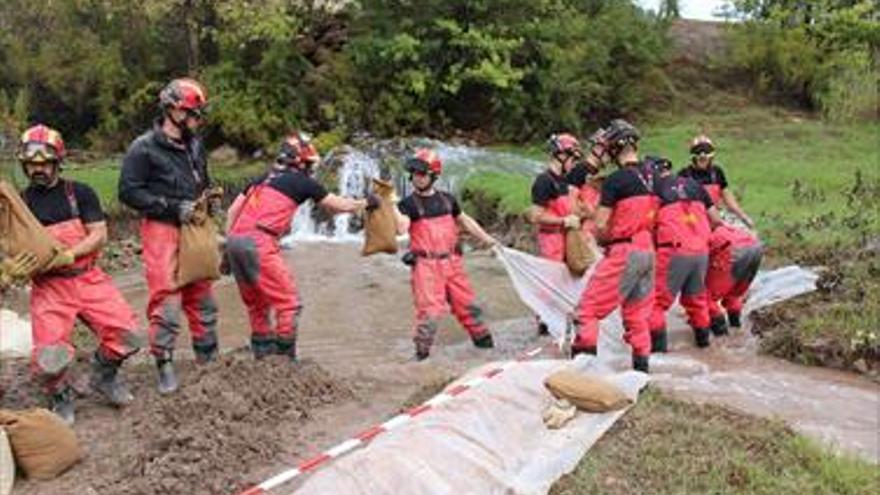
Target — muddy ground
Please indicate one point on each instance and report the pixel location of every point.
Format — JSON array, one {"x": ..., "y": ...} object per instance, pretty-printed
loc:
[{"x": 236, "y": 422}]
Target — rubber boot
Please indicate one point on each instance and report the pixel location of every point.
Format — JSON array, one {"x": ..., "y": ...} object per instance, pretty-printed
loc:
[
  {"x": 167, "y": 377},
  {"x": 484, "y": 341},
  {"x": 590, "y": 350},
  {"x": 105, "y": 381},
  {"x": 205, "y": 353},
  {"x": 640, "y": 363},
  {"x": 262, "y": 346},
  {"x": 701, "y": 337},
  {"x": 543, "y": 329},
  {"x": 658, "y": 341},
  {"x": 734, "y": 319},
  {"x": 286, "y": 346},
  {"x": 61, "y": 403},
  {"x": 719, "y": 326}
]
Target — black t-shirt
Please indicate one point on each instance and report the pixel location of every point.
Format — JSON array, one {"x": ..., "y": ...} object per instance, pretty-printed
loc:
[
  {"x": 671, "y": 189},
  {"x": 293, "y": 184},
  {"x": 436, "y": 205},
  {"x": 52, "y": 205},
  {"x": 547, "y": 187},
  {"x": 626, "y": 183},
  {"x": 578, "y": 175},
  {"x": 712, "y": 175}
]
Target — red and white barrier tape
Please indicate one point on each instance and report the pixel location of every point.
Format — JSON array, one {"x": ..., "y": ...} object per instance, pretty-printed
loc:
[{"x": 374, "y": 431}]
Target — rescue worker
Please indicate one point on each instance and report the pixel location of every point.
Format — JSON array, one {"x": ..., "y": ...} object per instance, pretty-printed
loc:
[
  {"x": 703, "y": 170},
  {"x": 439, "y": 281},
  {"x": 585, "y": 177},
  {"x": 164, "y": 173},
  {"x": 554, "y": 202},
  {"x": 681, "y": 236},
  {"x": 734, "y": 260},
  {"x": 72, "y": 287},
  {"x": 625, "y": 275},
  {"x": 257, "y": 219}
]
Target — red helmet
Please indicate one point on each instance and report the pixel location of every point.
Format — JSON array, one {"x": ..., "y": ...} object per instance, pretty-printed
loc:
[
  {"x": 702, "y": 144},
  {"x": 297, "y": 150},
  {"x": 41, "y": 143},
  {"x": 184, "y": 94},
  {"x": 564, "y": 144},
  {"x": 424, "y": 161}
]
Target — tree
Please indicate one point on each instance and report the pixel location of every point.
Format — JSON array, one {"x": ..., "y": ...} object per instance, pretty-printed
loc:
[{"x": 669, "y": 9}]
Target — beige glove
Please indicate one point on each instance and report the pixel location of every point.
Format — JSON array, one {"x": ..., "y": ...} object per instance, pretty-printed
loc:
[
  {"x": 558, "y": 414},
  {"x": 61, "y": 260},
  {"x": 17, "y": 268},
  {"x": 571, "y": 222}
]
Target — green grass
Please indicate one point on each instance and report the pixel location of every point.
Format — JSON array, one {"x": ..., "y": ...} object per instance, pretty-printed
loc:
[
  {"x": 666, "y": 446},
  {"x": 509, "y": 193}
]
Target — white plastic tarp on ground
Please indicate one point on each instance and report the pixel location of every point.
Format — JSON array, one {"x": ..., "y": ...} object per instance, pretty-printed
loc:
[{"x": 15, "y": 335}]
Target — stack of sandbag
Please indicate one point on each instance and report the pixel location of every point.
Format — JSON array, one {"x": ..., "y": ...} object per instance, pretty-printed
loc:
[
  {"x": 590, "y": 393},
  {"x": 579, "y": 254},
  {"x": 42, "y": 445},
  {"x": 21, "y": 232},
  {"x": 198, "y": 251},
  {"x": 380, "y": 225}
]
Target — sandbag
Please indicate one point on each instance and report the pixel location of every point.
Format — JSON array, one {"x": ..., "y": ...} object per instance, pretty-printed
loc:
[
  {"x": 198, "y": 252},
  {"x": 380, "y": 225},
  {"x": 587, "y": 392},
  {"x": 7, "y": 464},
  {"x": 21, "y": 232},
  {"x": 42, "y": 444},
  {"x": 578, "y": 252}
]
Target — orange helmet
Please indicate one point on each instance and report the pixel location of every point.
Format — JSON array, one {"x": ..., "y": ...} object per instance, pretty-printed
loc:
[
  {"x": 41, "y": 143},
  {"x": 424, "y": 161},
  {"x": 297, "y": 150},
  {"x": 184, "y": 94},
  {"x": 702, "y": 144},
  {"x": 564, "y": 144}
]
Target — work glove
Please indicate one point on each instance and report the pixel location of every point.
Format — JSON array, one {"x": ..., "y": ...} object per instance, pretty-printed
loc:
[
  {"x": 17, "y": 268},
  {"x": 214, "y": 196},
  {"x": 62, "y": 259},
  {"x": 186, "y": 211},
  {"x": 373, "y": 202},
  {"x": 571, "y": 222},
  {"x": 558, "y": 414}
]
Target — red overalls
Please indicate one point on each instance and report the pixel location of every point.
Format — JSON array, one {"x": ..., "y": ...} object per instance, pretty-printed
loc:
[
  {"x": 160, "y": 241},
  {"x": 734, "y": 261},
  {"x": 266, "y": 286},
  {"x": 682, "y": 243},
  {"x": 625, "y": 275},
  {"x": 589, "y": 195},
  {"x": 551, "y": 238},
  {"x": 82, "y": 291},
  {"x": 439, "y": 280}
]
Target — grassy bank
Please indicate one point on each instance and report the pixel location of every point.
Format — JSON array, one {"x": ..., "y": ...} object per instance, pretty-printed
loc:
[{"x": 666, "y": 446}]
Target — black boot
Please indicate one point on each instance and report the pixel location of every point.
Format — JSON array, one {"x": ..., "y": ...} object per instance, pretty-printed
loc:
[
  {"x": 590, "y": 350},
  {"x": 484, "y": 341},
  {"x": 167, "y": 377},
  {"x": 658, "y": 341},
  {"x": 733, "y": 317},
  {"x": 719, "y": 326},
  {"x": 105, "y": 381},
  {"x": 640, "y": 363},
  {"x": 422, "y": 354},
  {"x": 701, "y": 337},
  {"x": 205, "y": 352},
  {"x": 262, "y": 346},
  {"x": 543, "y": 329},
  {"x": 286, "y": 347},
  {"x": 61, "y": 403}
]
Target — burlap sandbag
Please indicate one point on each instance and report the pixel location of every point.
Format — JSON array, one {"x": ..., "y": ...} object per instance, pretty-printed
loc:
[
  {"x": 589, "y": 393},
  {"x": 198, "y": 252},
  {"x": 380, "y": 226},
  {"x": 578, "y": 253},
  {"x": 7, "y": 464},
  {"x": 42, "y": 444},
  {"x": 21, "y": 232}
]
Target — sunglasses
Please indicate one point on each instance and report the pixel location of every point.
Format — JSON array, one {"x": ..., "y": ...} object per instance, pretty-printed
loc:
[
  {"x": 38, "y": 152},
  {"x": 702, "y": 150}
]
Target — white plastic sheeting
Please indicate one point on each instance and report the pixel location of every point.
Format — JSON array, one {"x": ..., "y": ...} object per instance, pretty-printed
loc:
[{"x": 15, "y": 335}]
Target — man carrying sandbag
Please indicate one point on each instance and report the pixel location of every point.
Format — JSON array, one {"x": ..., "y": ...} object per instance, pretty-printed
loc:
[
  {"x": 257, "y": 219},
  {"x": 439, "y": 281},
  {"x": 684, "y": 221},
  {"x": 164, "y": 173},
  {"x": 72, "y": 286},
  {"x": 624, "y": 226},
  {"x": 584, "y": 176}
]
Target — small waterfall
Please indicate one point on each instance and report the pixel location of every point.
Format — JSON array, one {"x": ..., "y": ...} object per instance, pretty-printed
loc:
[{"x": 354, "y": 168}]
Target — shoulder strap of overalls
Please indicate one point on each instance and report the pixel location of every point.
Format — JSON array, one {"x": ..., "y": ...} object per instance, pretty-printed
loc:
[{"x": 71, "y": 197}]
